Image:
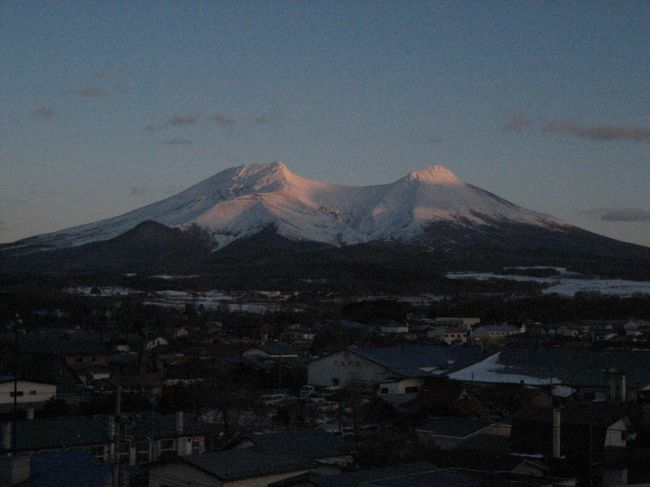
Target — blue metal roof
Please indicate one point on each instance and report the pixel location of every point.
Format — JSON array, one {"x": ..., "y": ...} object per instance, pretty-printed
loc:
[
  {"x": 312, "y": 444},
  {"x": 69, "y": 468},
  {"x": 62, "y": 432},
  {"x": 418, "y": 360},
  {"x": 246, "y": 463}
]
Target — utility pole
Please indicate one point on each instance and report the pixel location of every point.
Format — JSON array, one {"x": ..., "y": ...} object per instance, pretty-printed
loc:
[
  {"x": 115, "y": 433},
  {"x": 14, "y": 424}
]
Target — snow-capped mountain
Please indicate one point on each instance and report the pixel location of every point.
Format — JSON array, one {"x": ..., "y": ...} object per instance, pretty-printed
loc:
[{"x": 242, "y": 201}]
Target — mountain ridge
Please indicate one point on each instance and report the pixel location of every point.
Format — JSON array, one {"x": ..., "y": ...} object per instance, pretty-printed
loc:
[
  {"x": 241, "y": 201},
  {"x": 263, "y": 222}
]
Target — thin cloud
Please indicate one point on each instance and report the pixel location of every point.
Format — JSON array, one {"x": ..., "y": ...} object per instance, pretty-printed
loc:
[
  {"x": 179, "y": 120},
  {"x": 177, "y": 141},
  {"x": 621, "y": 214},
  {"x": 223, "y": 121},
  {"x": 262, "y": 120},
  {"x": 112, "y": 73},
  {"x": 3, "y": 226},
  {"x": 45, "y": 112},
  {"x": 518, "y": 122},
  {"x": 137, "y": 191},
  {"x": 600, "y": 132},
  {"x": 122, "y": 87},
  {"x": 92, "y": 92}
]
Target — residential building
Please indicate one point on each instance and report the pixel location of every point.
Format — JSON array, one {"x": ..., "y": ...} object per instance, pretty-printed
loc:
[
  {"x": 494, "y": 333},
  {"x": 463, "y": 322},
  {"x": 448, "y": 432},
  {"x": 449, "y": 334},
  {"x": 591, "y": 374},
  {"x": 26, "y": 394},
  {"x": 271, "y": 350},
  {"x": 151, "y": 436},
  {"x": 375, "y": 365},
  {"x": 578, "y": 431}
]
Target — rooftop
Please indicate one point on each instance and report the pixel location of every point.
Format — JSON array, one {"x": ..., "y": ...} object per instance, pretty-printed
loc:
[
  {"x": 453, "y": 427},
  {"x": 46, "y": 433},
  {"x": 312, "y": 444},
  {"x": 554, "y": 365},
  {"x": 420, "y": 360},
  {"x": 246, "y": 463},
  {"x": 361, "y": 477}
]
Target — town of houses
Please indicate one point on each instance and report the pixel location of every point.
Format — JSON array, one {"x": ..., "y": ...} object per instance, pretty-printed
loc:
[{"x": 269, "y": 399}]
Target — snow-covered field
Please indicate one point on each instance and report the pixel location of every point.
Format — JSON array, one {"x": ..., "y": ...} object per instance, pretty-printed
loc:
[
  {"x": 103, "y": 291},
  {"x": 567, "y": 284},
  {"x": 259, "y": 302}
]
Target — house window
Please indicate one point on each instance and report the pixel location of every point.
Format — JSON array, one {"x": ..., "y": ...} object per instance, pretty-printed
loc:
[
  {"x": 99, "y": 452},
  {"x": 384, "y": 390},
  {"x": 196, "y": 447},
  {"x": 411, "y": 389},
  {"x": 167, "y": 449},
  {"x": 142, "y": 451},
  {"x": 32, "y": 393},
  {"x": 79, "y": 360},
  {"x": 124, "y": 453},
  {"x": 16, "y": 394}
]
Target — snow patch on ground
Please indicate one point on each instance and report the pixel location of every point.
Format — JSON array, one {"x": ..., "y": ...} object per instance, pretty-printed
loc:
[{"x": 566, "y": 286}]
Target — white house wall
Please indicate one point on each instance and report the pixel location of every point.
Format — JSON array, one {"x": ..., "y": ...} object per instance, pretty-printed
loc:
[
  {"x": 616, "y": 434},
  {"x": 347, "y": 367},
  {"x": 31, "y": 392}
]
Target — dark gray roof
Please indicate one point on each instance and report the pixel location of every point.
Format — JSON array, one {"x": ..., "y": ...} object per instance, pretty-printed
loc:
[
  {"x": 408, "y": 360},
  {"x": 453, "y": 427},
  {"x": 47, "y": 433},
  {"x": 276, "y": 348},
  {"x": 124, "y": 358},
  {"x": 361, "y": 477},
  {"x": 577, "y": 367},
  {"x": 485, "y": 443},
  {"x": 498, "y": 327},
  {"x": 312, "y": 444},
  {"x": 454, "y": 477},
  {"x": 604, "y": 414},
  {"x": 69, "y": 468},
  {"x": 246, "y": 463}
]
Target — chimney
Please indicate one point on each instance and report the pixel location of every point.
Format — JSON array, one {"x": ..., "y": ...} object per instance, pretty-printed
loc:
[
  {"x": 29, "y": 413},
  {"x": 6, "y": 436},
  {"x": 621, "y": 388},
  {"x": 112, "y": 430},
  {"x": 132, "y": 454},
  {"x": 179, "y": 423},
  {"x": 557, "y": 432}
]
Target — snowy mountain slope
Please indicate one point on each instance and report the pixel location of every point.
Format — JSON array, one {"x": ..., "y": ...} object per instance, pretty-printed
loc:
[{"x": 241, "y": 201}]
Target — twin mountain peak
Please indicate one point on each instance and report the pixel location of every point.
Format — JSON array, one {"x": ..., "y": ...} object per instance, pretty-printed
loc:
[{"x": 242, "y": 201}]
